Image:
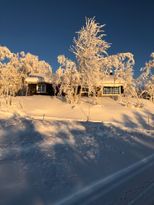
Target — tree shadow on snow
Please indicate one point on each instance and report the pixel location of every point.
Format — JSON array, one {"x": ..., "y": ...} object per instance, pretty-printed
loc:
[
  {"x": 145, "y": 121},
  {"x": 38, "y": 175}
]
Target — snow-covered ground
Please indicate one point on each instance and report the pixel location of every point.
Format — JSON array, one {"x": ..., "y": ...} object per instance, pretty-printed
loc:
[
  {"x": 107, "y": 110},
  {"x": 45, "y": 155}
]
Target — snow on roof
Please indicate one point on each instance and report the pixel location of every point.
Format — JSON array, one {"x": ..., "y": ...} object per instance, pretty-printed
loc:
[
  {"x": 34, "y": 80},
  {"x": 110, "y": 80},
  {"x": 38, "y": 78}
]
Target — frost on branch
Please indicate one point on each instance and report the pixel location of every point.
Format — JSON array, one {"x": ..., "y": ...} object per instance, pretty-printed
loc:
[
  {"x": 145, "y": 82},
  {"x": 11, "y": 80},
  {"x": 10, "y": 76},
  {"x": 121, "y": 65},
  {"x": 118, "y": 63},
  {"x": 93, "y": 64},
  {"x": 69, "y": 78},
  {"x": 90, "y": 48},
  {"x": 14, "y": 68},
  {"x": 5, "y": 53},
  {"x": 30, "y": 64}
]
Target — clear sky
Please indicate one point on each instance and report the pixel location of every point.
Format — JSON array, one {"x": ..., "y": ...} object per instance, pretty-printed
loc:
[{"x": 46, "y": 27}]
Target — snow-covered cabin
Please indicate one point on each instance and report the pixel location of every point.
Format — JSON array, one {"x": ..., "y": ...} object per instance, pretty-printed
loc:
[
  {"x": 39, "y": 84},
  {"x": 109, "y": 86}
]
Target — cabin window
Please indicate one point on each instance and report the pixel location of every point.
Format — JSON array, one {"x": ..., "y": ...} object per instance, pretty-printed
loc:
[
  {"x": 85, "y": 89},
  {"x": 41, "y": 88},
  {"x": 112, "y": 90}
]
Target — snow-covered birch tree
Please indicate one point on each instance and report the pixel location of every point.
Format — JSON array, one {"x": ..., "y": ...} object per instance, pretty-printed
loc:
[
  {"x": 10, "y": 76},
  {"x": 145, "y": 81},
  {"x": 69, "y": 78},
  {"x": 30, "y": 64},
  {"x": 122, "y": 65},
  {"x": 15, "y": 67},
  {"x": 89, "y": 48}
]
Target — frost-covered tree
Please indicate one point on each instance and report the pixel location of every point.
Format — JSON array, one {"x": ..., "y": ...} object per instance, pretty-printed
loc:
[
  {"x": 145, "y": 81},
  {"x": 121, "y": 65},
  {"x": 118, "y": 63},
  {"x": 30, "y": 64},
  {"x": 5, "y": 53},
  {"x": 10, "y": 76},
  {"x": 11, "y": 80},
  {"x": 69, "y": 78},
  {"x": 15, "y": 67},
  {"x": 93, "y": 63},
  {"x": 89, "y": 48}
]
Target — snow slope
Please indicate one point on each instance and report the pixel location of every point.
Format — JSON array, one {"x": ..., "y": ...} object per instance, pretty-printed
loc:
[
  {"x": 108, "y": 110},
  {"x": 42, "y": 161}
]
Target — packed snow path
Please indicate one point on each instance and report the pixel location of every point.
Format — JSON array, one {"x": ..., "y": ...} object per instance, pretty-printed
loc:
[{"x": 42, "y": 162}]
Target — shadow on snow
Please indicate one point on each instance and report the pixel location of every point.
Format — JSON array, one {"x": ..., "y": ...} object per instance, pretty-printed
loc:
[{"x": 38, "y": 175}]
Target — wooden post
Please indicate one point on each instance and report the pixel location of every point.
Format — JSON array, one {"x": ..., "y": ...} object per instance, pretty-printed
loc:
[
  {"x": 88, "y": 116},
  {"x": 148, "y": 121}
]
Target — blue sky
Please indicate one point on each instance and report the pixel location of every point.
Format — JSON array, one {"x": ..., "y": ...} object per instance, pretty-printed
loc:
[{"x": 46, "y": 28}]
